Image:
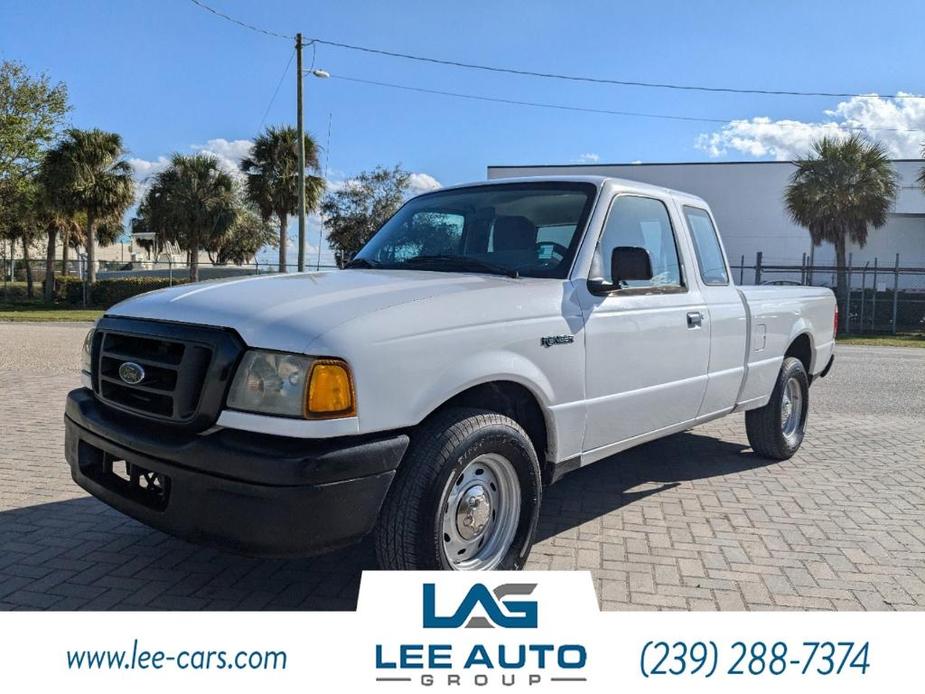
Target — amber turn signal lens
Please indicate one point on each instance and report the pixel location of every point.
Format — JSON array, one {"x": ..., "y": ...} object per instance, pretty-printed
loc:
[{"x": 330, "y": 390}]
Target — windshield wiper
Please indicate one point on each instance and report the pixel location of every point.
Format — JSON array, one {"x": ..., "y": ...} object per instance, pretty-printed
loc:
[
  {"x": 362, "y": 263},
  {"x": 462, "y": 263}
]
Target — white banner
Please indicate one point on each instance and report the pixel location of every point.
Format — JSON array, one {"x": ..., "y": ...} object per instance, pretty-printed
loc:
[{"x": 528, "y": 631}]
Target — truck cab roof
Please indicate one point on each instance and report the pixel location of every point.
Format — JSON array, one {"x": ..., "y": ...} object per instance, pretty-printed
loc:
[{"x": 626, "y": 184}]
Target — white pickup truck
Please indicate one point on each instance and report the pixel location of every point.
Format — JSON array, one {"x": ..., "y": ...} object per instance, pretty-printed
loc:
[{"x": 488, "y": 339}]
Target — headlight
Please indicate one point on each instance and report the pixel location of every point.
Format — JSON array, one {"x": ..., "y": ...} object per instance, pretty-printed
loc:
[
  {"x": 292, "y": 385},
  {"x": 86, "y": 355}
]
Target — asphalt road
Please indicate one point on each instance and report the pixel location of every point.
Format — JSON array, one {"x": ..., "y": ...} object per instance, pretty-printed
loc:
[{"x": 874, "y": 381}]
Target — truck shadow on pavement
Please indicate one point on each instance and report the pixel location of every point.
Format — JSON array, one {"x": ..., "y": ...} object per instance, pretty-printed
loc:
[
  {"x": 622, "y": 479},
  {"x": 80, "y": 554}
]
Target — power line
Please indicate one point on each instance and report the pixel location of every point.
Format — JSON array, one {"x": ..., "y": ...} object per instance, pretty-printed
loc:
[
  {"x": 583, "y": 109},
  {"x": 559, "y": 76},
  {"x": 516, "y": 102},
  {"x": 324, "y": 175},
  {"x": 240, "y": 23},
  {"x": 609, "y": 81},
  {"x": 276, "y": 91}
]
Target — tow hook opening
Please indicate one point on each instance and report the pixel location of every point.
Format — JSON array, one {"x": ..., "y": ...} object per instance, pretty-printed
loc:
[{"x": 146, "y": 487}]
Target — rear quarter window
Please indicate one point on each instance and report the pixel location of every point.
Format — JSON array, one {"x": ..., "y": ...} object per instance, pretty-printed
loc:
[{"x": 710, "y": 257}]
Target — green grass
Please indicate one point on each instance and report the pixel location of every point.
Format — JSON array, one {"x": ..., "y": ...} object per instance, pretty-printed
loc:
[
  {"x": 883, "y": 340},
  {"x": 16, "y": 307},
  {"x": 35, "y": 311}
]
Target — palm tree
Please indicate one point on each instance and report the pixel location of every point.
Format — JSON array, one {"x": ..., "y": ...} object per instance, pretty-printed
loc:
[
  {"x": 844, "y": 187},
  {"x": 191, "y": 202},
  {"x": 240, "y": 245},
  {"x": 55, "y": 221},
  {"x": 92, "y": 176},
  {"x": 272, "y": 172},
  {"x": 18, "y": 220},
  {"x": 55, "y": 216}
]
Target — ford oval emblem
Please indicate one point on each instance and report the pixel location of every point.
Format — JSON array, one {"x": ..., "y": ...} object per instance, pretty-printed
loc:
[{"x": 131, "y": 373}]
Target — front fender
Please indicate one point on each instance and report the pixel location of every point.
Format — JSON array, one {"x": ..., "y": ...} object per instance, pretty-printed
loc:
[
  {"x": 478, "y": 369},
  {"x": 491, "y": 367}
]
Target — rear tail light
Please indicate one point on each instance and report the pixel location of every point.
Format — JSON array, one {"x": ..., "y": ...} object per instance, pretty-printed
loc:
[{"x": 835, "y": 323}]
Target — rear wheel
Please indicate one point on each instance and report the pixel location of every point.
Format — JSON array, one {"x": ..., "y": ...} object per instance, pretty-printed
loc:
[
  {"x": 777, "y": 429},
  {"x": 466, "y": 496}
]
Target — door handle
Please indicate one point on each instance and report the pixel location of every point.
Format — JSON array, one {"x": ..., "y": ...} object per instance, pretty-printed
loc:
[{"x": 694, "y": 319}]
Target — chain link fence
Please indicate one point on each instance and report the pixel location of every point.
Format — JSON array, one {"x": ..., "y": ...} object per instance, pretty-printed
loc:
[
  {"x": 883, "y": 297},
  {"x": 71, "y": 287},
  {"x": 14, "y": 270}
]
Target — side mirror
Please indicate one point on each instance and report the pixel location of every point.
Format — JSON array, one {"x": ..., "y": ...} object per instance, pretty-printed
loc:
[
  {"x": 626, "y": 263},
  {"x": 630, "y": 263}
]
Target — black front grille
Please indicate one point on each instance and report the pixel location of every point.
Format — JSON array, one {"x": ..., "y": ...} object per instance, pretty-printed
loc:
[{"x": 186, "y": 369}]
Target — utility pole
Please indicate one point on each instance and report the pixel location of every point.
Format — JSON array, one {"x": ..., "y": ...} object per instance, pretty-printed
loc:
[{"x": 300, "y": 125}]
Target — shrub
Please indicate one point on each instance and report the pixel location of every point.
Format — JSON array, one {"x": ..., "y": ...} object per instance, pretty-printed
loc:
[
  {"x": 15, "y": 292},
  {"x": 106, "y": 293}
]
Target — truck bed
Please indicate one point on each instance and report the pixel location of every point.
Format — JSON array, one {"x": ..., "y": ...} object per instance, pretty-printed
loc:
[{"x": 776, "y": 317}]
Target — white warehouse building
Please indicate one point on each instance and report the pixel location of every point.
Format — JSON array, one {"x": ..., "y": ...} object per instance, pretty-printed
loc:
[{"x": 747, "y": 201}]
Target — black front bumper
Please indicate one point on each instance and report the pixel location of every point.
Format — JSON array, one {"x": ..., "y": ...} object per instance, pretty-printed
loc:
[{"x": 257, "y": 494}]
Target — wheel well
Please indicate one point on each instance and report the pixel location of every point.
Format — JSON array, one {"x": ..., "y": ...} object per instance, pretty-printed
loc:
[
  {"x": 512, "y": 400},
  {"x": 802, "y": 349}
]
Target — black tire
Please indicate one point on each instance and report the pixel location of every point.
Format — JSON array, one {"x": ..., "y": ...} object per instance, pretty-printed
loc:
[
  {"x": 765, "y": 426},
  {"x": 409, "y": 534}
]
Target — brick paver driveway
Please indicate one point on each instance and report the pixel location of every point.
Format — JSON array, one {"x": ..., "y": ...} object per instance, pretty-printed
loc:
[{"x": 695, "y": 521}]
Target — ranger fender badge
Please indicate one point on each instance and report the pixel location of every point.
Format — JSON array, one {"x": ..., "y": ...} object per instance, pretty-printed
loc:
[{"x": 557, "y": 340}]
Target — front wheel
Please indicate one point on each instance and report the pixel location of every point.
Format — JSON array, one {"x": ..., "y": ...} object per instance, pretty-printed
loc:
[
  {"x": 466, "y": 496},
  {"x": 777, "y": 429}
]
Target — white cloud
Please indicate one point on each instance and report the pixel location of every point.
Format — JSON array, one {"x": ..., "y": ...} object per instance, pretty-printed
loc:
[
  {"x": 332, "y": 184},
  {"x": 421, "y": 183},
  {"x": 229, "y": 153},
  {"x": 588, "y": 158},
  {"x": 896, "y": 123},
  {"x": 144, "y": 168},
  {"x": 234, "y": 150},
  {"x": 418, "y": 183}
]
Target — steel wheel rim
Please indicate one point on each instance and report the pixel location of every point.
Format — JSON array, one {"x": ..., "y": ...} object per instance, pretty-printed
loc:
[
  {"x": 481, "y": 512},
  {"x": 791, "y": 411}
]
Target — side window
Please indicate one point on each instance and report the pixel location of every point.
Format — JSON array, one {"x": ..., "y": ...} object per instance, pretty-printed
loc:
[
  {"x": 644, "y": 223},
  {"x": 706, "y": 243}
]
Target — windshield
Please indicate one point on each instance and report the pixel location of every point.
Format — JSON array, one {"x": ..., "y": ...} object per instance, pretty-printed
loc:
[{"x": 517, "y": 229}]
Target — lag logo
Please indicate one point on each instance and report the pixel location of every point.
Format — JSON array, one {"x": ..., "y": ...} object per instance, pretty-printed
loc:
[
  {"x": 509, "y": 650},
  {"x": 516, "y": 614}
]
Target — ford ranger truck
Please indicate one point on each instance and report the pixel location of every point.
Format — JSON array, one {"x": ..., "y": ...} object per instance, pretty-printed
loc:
[{"x": 487, "y": 340}]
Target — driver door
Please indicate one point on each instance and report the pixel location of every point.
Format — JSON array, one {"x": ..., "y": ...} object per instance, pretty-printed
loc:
[{"x": 647, "y": 341}]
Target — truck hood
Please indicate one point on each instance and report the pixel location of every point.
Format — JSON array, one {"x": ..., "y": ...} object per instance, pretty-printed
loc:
[{"x": 288, "y": 312}]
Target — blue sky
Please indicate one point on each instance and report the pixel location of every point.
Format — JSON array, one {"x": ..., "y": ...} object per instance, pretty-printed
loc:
[{"x": 171, "y": 77}]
